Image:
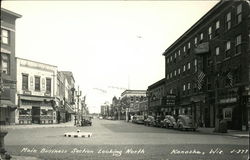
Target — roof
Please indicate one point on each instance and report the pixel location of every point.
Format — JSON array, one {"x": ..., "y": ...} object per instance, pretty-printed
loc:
[
  {"x": 158, "y": 83},
  {"x": 3, "y": 10}
]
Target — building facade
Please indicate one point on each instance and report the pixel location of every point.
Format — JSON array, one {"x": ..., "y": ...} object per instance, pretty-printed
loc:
[
  {"x": 130, "y": 102},
  {"x": 207, "y": 68},
  {"x": 36, "y": 92},
  {"x": 7, "y": 67},
  {"x": 156, "y": 93}
]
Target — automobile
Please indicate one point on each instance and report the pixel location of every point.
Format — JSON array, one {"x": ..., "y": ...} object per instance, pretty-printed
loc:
[
  {"x": 139, "y": 119},
  {"x": 169, "y": 122},
  {"x": 100, "y": 117},
  {"x": 86, "y": 121},
  {"x": 110, "y": 118},
  {"x": 150, "y": 121},
  {"x": 186, "y": 122}
]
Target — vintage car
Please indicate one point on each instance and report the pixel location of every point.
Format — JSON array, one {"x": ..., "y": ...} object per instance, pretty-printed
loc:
[
  {"x": 139, "y": 119},
  {"x": 169, "y": 122},
  {"x": 86, "y": 121},
  {"x": 186, "y": 122},
  {"x": 150, "y": 121}
]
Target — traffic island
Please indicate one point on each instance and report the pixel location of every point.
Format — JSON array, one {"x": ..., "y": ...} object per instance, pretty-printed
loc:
[{"x": 78, "y": 134}]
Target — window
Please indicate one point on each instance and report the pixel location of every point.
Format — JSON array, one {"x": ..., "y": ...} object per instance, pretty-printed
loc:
[
  {"x": 5, "y": 63},
  {"x": 189, "y": 86},
  {"x": 238, "y": 44},
  {"x": 179, "y": 71},
  {"x": 189, "y": 65},
  {"x": 195, "y": 65},
  {"x": 228, "y": 47},
  {"x": 48, "y": 85},
  {"x": 37, "y": 83},
  {"x": 179, "y": 52},
  {"x": 171, "y": 59},
  {"x": 171, "y": 91},
  {"x": 184, "y": 87},
  {"x": 228, "y": 21},
  {"x": 184, "y": 68},
  {"x": 201, "y": 37},
  {"x": 184, "y": 48},
  {"x": 217, "y": 27},
  {"x": 195, "y": 40},
  {"x": 189, "y": 47},
  {"x": 210, "y": 32},
  {"x": 174, "y": 72},
  {"x": 175, "y": 55},
  {"x": 239, "y": 14},
  {"x": 4, "y": 36},
  {"x": 167, "y": 60},
  {"x": 217, "y": 51},
  {"x": 171, "y": 75},
  {"x": 25, "y": 81},
  {"x": 167, "y": 76}
]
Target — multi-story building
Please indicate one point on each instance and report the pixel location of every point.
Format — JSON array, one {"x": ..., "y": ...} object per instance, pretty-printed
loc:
[
  {"x": 130, "y": 100},
  {"x": 70, "y": 95},
  {"x": 36, "y": 92},
  {"x": 208, "y": 67},
  {"x": 7, "y": 67},
  {"x": 157, "y": 105}
]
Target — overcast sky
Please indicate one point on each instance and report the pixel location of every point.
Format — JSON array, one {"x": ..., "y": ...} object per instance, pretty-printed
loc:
[{"x": 104, "y": 43}]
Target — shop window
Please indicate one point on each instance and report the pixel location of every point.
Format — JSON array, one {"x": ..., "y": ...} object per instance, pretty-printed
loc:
[
  {"x": 5, "y": 63},
  {"x": 23, "y": 111},
  {"x": 5, "y": 36}
]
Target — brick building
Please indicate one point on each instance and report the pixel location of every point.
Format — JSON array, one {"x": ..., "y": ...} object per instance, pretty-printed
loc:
[
  {"x": 7, "y": 67},
  {"x": 208, "y": 67}
]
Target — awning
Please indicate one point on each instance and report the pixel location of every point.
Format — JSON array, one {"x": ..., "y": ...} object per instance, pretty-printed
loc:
[
  {"x": 185, "y": 102},
  {"x": 69, "y": 109},
  {"x": 197, "y": 98},
  {"x": 35, "y": 98},
  {"x": 7, "y": 103}
]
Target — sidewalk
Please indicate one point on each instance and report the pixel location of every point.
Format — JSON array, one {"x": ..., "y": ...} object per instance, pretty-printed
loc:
[
  {"x": 67, "y": 124},
  {"x": 234, "y": 133}
]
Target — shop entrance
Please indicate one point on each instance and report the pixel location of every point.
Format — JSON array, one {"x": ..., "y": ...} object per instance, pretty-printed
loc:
[{"x": 35, "y": 114}]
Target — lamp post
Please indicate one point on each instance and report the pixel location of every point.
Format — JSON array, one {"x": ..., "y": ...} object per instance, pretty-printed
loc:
[{"x": 78, "y": 95}]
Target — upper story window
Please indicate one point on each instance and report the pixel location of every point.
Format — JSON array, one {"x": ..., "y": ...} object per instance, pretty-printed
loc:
[
  {"x": 48, "y": 84},
  {"x": 217, "y": 27},
  {"x": 179, "y": 52},
  {"x": 5, "y": 36},
  {"x": 189, "y": 86},
  {"x": 239, "y": 14},
  {"x": 170, "y": 75},
  {"x": 25, "y": 81},
  {"x": 184, "y": 87},
  {"x": 217, "y": 51},
  {"x": 228, "y": 47},
  {"x": 184, "y": 48},
  {"x": 174, "y": 72},
  {"x": 238, "y": 44},
  {"x": 167, "y": 60},
  {"x": 167, "y": 76},
  {"x": 171, "y": 58},
  {"x": 189, "y": 65},
  {"x": 201, "y": 37},
  {"x": 195, "y": 40},
  {"x": 179, "y": 71},
  {"x": 210, "y": 32},
  {"x": 5, "y": 63},
  {"x": 189, "y": 45},
  {"x": 175, "y": 55},
  {"x": 228, "y": 21},
  {"x": 195, "y": 65},
  {"x": 37, "y": 83},
  {"x": 184, "y": 68}
]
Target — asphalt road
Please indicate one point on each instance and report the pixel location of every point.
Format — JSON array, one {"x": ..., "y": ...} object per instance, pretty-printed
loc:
[{"x": 121, "y": 140}]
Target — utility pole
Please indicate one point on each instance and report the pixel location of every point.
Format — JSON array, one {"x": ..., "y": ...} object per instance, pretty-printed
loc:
[{"x": 78, "y": 94}]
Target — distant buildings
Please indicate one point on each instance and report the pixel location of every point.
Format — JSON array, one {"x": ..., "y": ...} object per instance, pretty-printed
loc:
[{"x": 7, "y": 67}]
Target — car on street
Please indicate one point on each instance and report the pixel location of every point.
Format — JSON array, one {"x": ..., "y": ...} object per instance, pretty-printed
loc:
[
  {"x": 169, "y": 122},
  {"x": 139, "y": 119},
  {"x": 150, "y": 121},
  {"x": 186, "y": 122},
  {"x": 86, "y": 121}
]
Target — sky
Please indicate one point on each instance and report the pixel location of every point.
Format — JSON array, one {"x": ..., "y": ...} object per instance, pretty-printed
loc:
[{"x": 108, "y": 45}]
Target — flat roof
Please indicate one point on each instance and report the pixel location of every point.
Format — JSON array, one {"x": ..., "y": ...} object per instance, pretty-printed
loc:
[{"x": 11, "y": 13}]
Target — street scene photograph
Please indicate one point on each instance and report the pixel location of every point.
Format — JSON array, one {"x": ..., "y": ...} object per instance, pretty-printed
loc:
[{"x": 125, "y": 80}]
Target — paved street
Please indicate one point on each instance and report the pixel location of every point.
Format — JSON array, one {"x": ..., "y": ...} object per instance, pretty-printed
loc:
[{"x": 122, "y": 140}]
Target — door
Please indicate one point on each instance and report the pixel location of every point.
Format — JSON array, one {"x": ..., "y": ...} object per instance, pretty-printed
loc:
[{"x": 35, "y": 114}]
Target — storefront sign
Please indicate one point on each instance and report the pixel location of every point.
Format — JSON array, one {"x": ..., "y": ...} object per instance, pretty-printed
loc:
[
  {"x": 227, "y": 114},
  {"x": 228, "y": 100}
]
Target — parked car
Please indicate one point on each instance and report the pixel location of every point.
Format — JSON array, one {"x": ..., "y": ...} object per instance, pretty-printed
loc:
[
  {"x": 139, "y": 119},
  {"x": 169, "y": 122},
  {"x": 86, "y": 121},
  {"x": 186, "y": 122},
  {"x": 150, "y": 121},
  {"x": 100, "y": 117}
]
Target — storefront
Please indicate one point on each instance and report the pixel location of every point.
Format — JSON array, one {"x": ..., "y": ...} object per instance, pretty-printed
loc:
[{"x": 38, "y": 110}]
